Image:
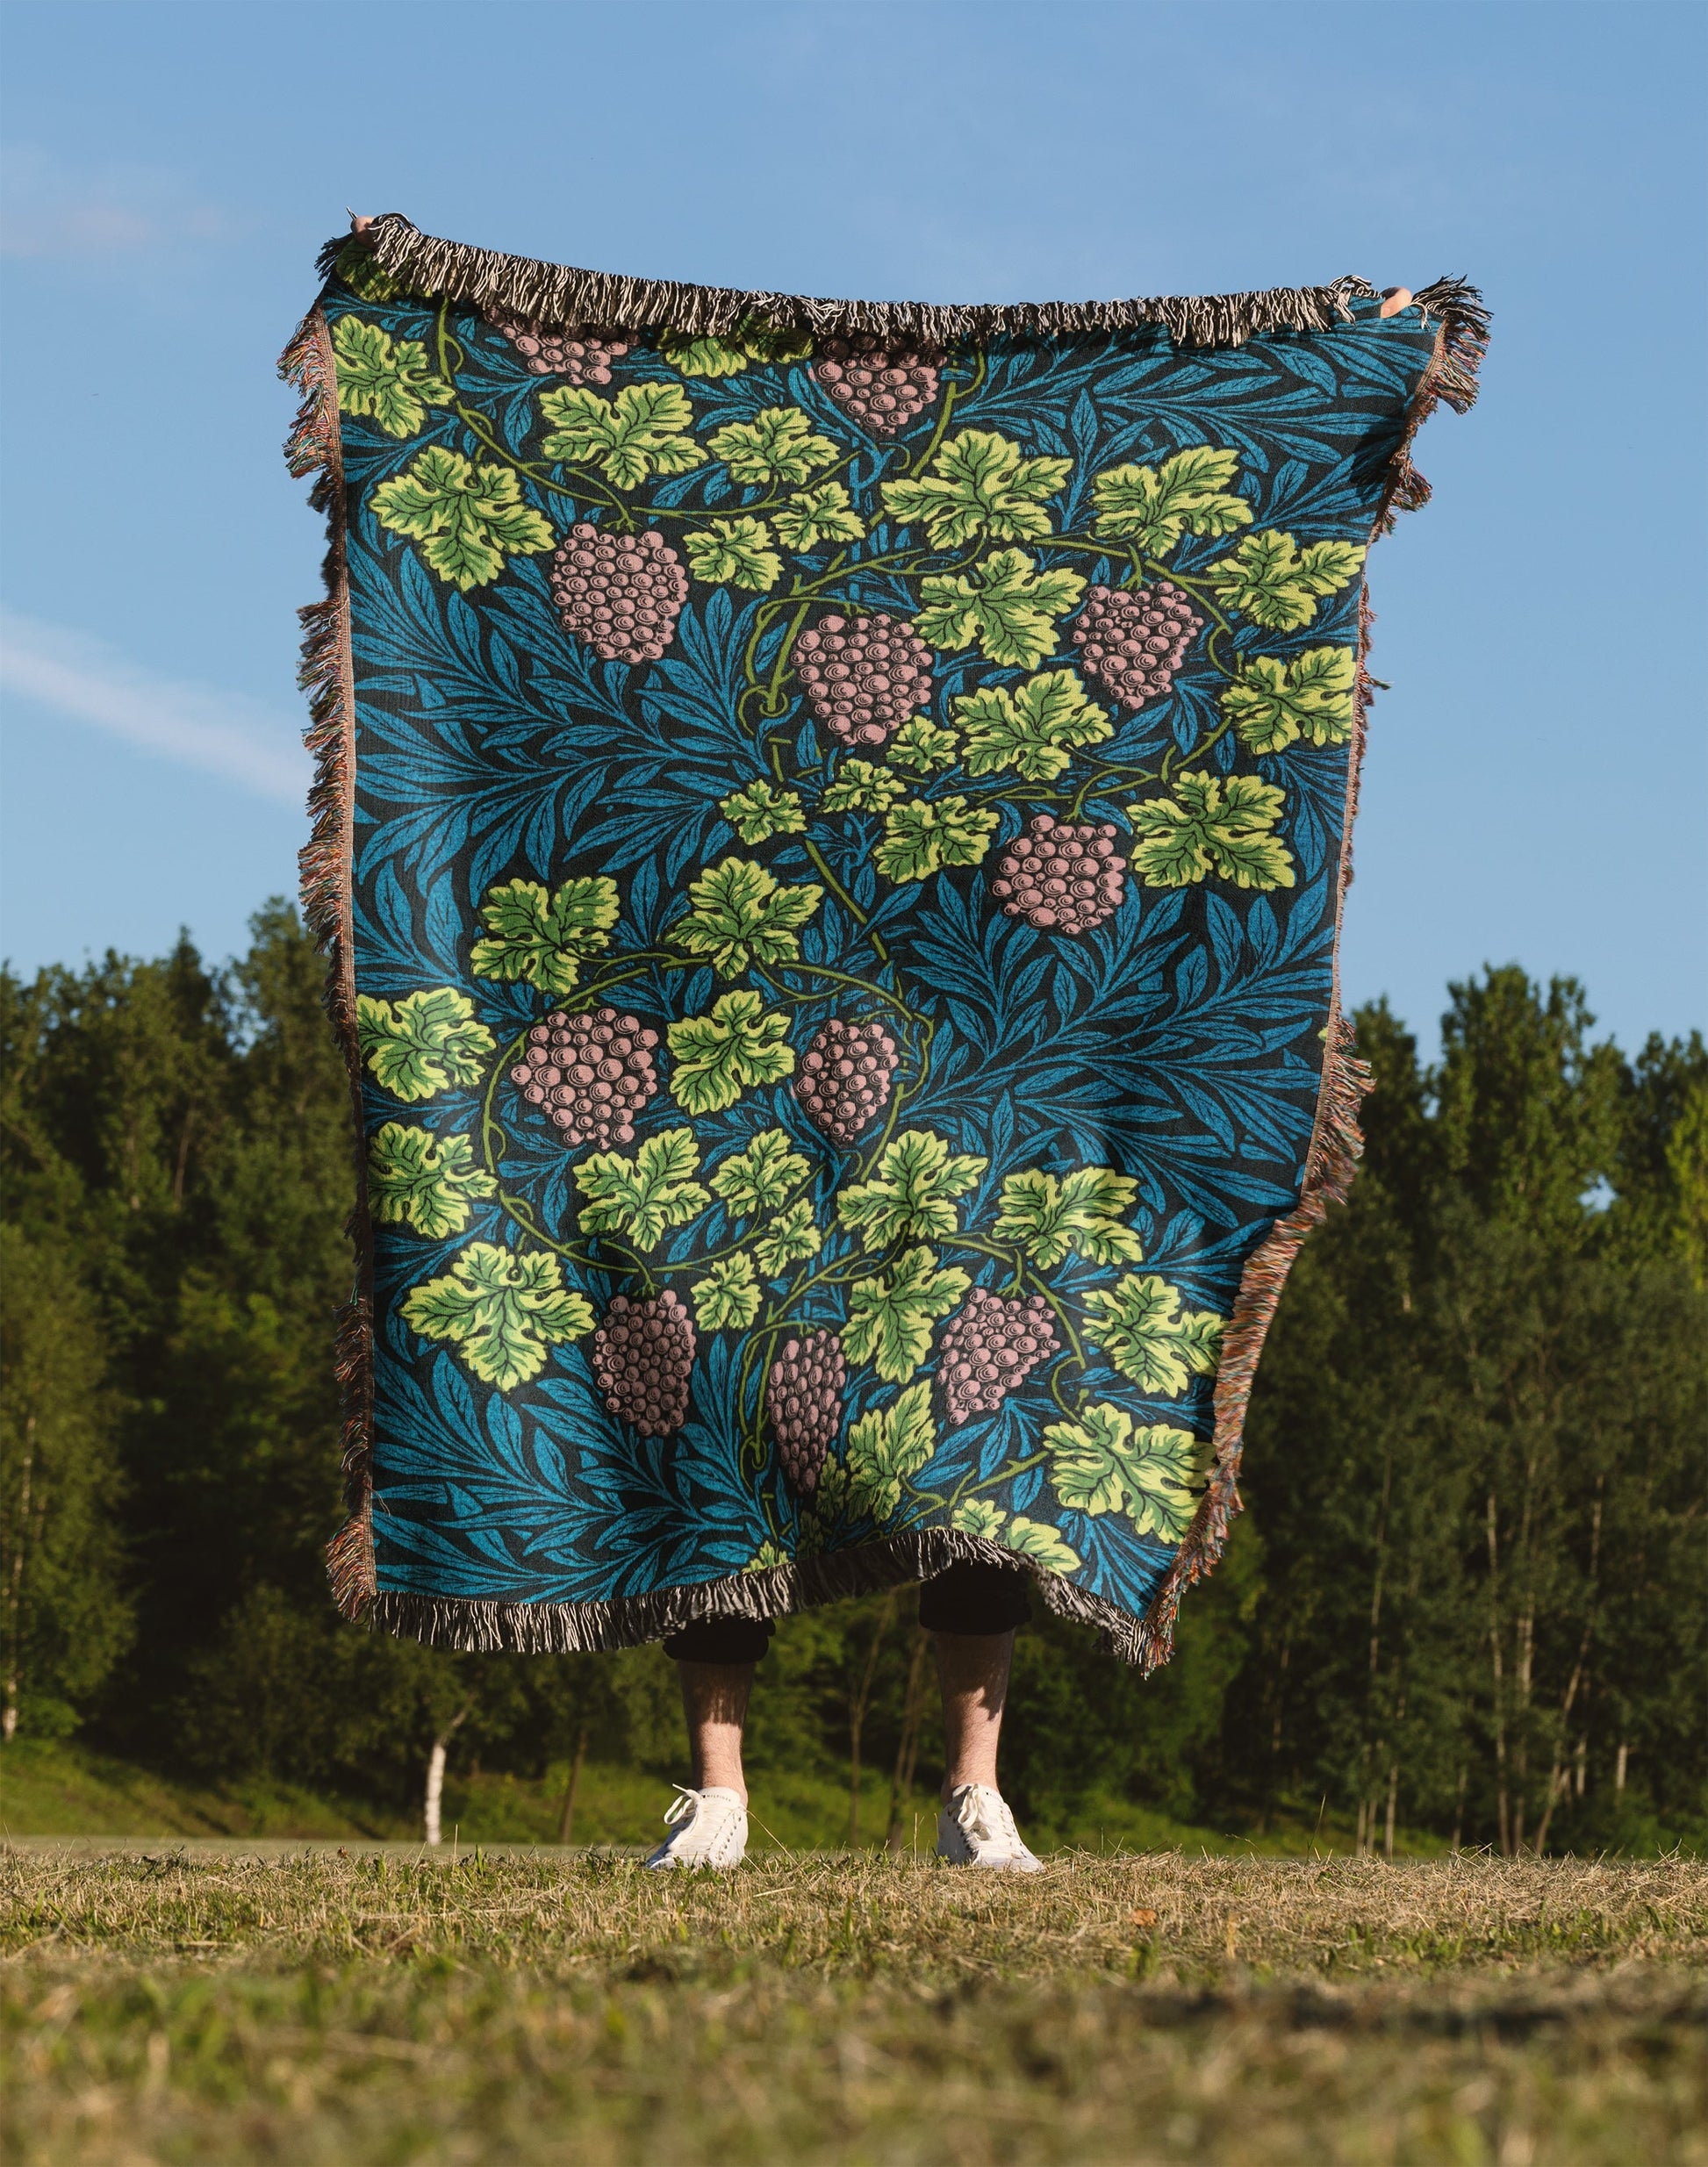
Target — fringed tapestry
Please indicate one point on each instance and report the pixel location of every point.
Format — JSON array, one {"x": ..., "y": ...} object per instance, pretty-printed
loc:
[{"x": 830, "y": 835}]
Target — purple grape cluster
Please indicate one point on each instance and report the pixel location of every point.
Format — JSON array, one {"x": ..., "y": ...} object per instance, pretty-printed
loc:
[
  {"x": 589, "y": 1074},
  {"x": 643, "y": 1354},
  {"x": 580, "y": 356},
  {"x": 620, "y": 594},
  {"x": 990, "y": 1347},
  {"x": 1132, "y": 643},
  {"x": 1061, "y": 876},
  {"x": 803, "y": 1404},
  {"x": 862, "y": 680},
  {"x": 845, "y": 1076},
  {"x": 883, "y": 387}
]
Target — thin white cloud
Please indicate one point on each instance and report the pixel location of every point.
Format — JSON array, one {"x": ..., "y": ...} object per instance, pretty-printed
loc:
[
  {"x": 48, "y": 209},
  {"x": 220, "y": 733}
]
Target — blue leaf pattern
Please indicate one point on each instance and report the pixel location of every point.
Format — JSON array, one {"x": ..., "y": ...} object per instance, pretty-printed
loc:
[{"x": 1174, "y": 1038}]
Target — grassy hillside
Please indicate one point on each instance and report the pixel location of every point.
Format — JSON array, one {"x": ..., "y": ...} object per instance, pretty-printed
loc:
[{"x": 52, "y": 1788}]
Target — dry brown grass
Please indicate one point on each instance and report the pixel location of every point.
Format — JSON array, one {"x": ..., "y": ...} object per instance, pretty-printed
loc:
[{"x": 851, "y": 2010}]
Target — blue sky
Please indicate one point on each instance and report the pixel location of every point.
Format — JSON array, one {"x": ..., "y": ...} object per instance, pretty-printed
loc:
[{"x": 1535, "y": 785}]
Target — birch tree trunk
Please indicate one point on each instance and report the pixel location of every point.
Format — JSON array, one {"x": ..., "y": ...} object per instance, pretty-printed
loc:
[
  {"x": 566, "y": 1819},
  {"x": 436, "y": 1775},
  {"x": 435, "y": 1791}
]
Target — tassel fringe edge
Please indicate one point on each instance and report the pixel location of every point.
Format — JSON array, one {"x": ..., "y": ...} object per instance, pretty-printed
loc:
[
  {"x": 556, "y": 295},
  {"x": 314, "y": 448},
  {"x": 577, "y": 1628}
]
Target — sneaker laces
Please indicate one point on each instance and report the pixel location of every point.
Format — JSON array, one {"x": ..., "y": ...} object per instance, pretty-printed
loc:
[
  {"x": 684, "y": 1806},
  {"x": 972, "y": 1810}
]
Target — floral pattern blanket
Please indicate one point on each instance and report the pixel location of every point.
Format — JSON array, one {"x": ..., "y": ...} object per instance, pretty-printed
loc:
[{"x": 831, "y": 829}]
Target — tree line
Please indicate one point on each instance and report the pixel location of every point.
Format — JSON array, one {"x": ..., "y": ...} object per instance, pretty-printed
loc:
[{"x": 1466, "y": 1597}]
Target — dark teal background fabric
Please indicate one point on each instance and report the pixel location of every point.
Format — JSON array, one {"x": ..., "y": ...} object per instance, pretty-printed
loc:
[{"x": 1100, "y": 1120}]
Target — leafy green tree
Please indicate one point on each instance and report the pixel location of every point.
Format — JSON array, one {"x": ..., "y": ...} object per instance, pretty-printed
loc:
[
  {"x": 65, "y": 1616},
  {"x": 1471, "y": 1446}
]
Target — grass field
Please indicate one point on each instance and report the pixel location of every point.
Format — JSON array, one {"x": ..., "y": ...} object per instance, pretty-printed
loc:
[{"x": 819, "y": 2009}]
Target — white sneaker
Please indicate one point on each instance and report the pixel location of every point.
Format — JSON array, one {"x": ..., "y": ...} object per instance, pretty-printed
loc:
[
  {"x": 708, "y": 1828},
  {"x": 976, "y": 1829}
]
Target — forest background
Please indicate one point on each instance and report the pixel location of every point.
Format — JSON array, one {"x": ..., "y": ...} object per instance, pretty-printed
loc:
[
  {"x": 1466, "y": 1602},
  {"x": 1468, "y": 1594}
]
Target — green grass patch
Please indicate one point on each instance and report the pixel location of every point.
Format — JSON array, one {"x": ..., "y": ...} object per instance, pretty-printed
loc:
[{"x": 836, "y": 2011}]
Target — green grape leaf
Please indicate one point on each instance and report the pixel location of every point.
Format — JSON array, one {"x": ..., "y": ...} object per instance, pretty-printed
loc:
[
  {"x": 727, "y": 1295},
  {"x": 1153, "y": 507},
  {"x": 1084, "y": 1213},
  {"x": 642, "y": 1198},
  {"x": 363, "y": 273},
  {"x": 977, "y": 1516},
  {"x": 1005, "y": 605},
  {"x": 912, "y": 1192},
  {"x": 544, "y": 938},
  {"x": 888, "y": 1446},
  {"x": 643, "y": 432},
  {"x": 786, "y": 1239},
  {"x": 766, "y": 1558},
  {"x": 1031, "y": 729},
  {"x": 764, "y": 1176},
  {"x": 1137, "y": 1323},
  {"x": 760, "y": 810},
  {"x": 777, "y": 445},
  {"x": 1036, "y": 1540},
  {"x": 824, "y": 513},
  {"x": 737, "y": 551},
  {"x": 1200, "y": 1340},
  {"x": 466, "y": 519},
  {"x": 741, "y": 915},
  {"x": 715, "y": 1057},
  {"x": 1102, "y": 1464},
  {"x": 922, "y": 746},
  {"x": 752, "y": 341},
  {"x": 979, "y": 483},
  {"x": 860, "y": 787},
  {"x": 704, "y": 357},
  {"x": 832, "y": 1496},
  {"x": 921, "y": 835},
  {"x": 425, "y": 1043},
  {"x": 1269, "y": 580},
  {"x": 426, "y": 1181},
  {"x": 1212, "y": 826},
  {"x": 395, "y": 385},
  {"x": 501, "y": 1310},
  {"x": 890, "y": 1319},
  {"x": 1271, "y": 703}
]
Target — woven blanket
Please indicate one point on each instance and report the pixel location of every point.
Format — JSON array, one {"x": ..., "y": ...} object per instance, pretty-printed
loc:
[{"x": 831, "y": 833}]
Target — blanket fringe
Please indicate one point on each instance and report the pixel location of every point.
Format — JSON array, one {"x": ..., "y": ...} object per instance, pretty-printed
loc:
[
  {"x": 585, "y": 1628},
  {"x": 558, "y": 294},
  {"x": 314, "y": 449},
  {"x": 1450, "y": 380},
  {"x": 553, "y": 294}
]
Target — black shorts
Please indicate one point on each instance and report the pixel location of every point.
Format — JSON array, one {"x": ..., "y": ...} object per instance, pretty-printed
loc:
[{"x": 969, "y": 1598}]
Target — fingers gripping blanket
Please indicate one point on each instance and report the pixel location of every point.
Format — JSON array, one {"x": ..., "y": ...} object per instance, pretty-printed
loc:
[{"x": 830, "y": 833}]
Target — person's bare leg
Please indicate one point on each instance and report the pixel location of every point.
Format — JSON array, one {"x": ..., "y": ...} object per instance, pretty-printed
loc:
[
  {"x": 715, "y": 1701},
  {"x": 972, "y": 1669}
]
